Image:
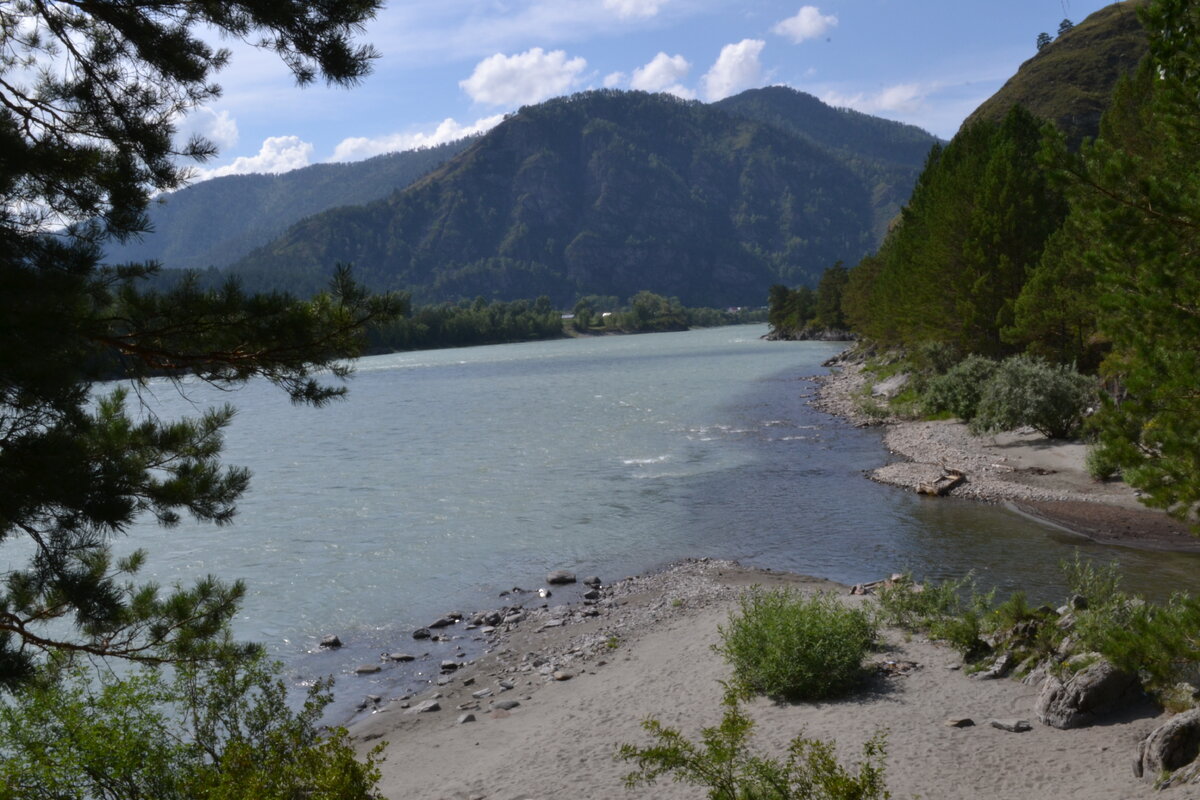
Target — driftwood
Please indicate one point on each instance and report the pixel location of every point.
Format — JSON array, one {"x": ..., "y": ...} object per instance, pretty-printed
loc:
[{"x": 949, "y": 479}]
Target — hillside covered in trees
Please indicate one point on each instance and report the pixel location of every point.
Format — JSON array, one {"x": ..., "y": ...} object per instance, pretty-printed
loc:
[
  {"x": 610, "y": 193},
  {"x": 216, "y": 222},
  {"x": 1016, "y": 245}
]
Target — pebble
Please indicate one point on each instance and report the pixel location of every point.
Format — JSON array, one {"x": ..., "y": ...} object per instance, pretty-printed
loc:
[
  {"x": 421, "y": 633},
  {"x": 1012, "y": 725},
  {"x": 562, "y": 675},
  {"x": 426, "y": 707},
  {"x": 367, "y": 669},
  {"x": 959, "y": 722},
  {"x": 506, "y": 705},
  {"x": 401, "y": 657},
  {"x": 482, "y": 693},
  {"x": 465, "y": 718}
]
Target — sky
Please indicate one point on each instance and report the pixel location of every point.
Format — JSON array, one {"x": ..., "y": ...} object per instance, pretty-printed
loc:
[{"x": 450, "y": 68}]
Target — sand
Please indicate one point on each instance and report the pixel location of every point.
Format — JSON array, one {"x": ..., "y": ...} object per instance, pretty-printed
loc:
[{"x": 562, "y": 738}]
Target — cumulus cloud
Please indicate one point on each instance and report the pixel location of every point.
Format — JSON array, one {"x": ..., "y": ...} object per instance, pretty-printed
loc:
[
  {"x": 613, "y": 80},
  {"x": 634, "y": 8},
  {"x": 809, "y": 23},
  {"x": 217, "y": 126},
  {"x": 277, "y": 154},
  {"x": 903, "y": 97},
  {"x": 736, "y": 68},
  {"x": 660, "y": 74},
  {"x": 359, "y": 147},
  {"x": 528, "y": 77}
]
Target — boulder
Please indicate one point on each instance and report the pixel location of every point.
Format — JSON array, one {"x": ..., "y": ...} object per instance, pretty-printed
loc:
[
  {"x": 1096, "y": 690},
  {"x": 367, "y": 669},
  {"x": 421, "y": 633},
  {"x": 890, "y": 387},
  {"x": 559, "y": 576},
  {"x": 1171, "y": 746},
  {"x": 592, "y": 581},
  {"x": 331, "y": 641}
]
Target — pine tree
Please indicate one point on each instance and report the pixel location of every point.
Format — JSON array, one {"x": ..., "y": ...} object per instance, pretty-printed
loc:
[
  {"x": 1141, "y": 189},
  {"x": 88, "y": 96}
]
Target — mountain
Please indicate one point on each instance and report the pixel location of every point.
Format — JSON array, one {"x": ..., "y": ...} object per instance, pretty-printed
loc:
[
  {"x": 218, "y": 221},
  {"x": 1070, "y": 80},
  {"x": 611, "y": 192},
  {"x": 887, "y": 155}
]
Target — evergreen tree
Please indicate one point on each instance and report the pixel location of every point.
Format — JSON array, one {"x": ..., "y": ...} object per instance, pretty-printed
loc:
[
  {"x": 953, "y": 266},
  {"x": 1140, "y": 187},
  {"x": 1043, "y": 39},
  {"x": 1065, "y": 26},
  {"x": 88, "y": 95},
  {"x": 829, "y": 297}
]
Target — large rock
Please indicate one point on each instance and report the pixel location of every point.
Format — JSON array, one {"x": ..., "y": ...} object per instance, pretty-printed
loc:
[
  {"x": 1170, "y": 747},
  {"x": 1096, "y": 690},
  {"x": 560, "y": 576}
]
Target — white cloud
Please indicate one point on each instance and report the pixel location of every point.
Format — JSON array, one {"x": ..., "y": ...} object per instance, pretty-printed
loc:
[
  {"x": 662, "y": 71},
  {"x": 613, "y": 80},
  {"x": 634, "y": 8},
  {"x": 217, "y": 126},
  {"x": 809, "y": 23},
  {"x": 736, "y": 68},
  {"x": 528, "y": 77},
  {"x": 277, "y": 154},
  {"x": 449, "y": 130},
  {"x": 902, "y": 98}
]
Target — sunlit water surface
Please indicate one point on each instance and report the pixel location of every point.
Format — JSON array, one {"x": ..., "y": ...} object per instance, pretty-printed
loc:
[{"x": 448, "y": 476}]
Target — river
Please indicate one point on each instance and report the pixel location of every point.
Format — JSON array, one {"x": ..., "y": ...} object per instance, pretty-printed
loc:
[{"x": 448, "y": 476}]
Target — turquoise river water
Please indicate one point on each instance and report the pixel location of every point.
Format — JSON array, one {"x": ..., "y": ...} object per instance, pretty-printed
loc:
[{"x": 450, "y": 475}]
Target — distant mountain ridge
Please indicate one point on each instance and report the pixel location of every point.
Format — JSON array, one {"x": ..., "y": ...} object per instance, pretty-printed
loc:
[
  {"x": 216, "y": 222},
  {"x": 611, "y": 192}
]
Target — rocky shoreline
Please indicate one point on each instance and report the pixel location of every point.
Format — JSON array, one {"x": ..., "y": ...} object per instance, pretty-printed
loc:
[
  {"x": 1036, "y": 476},
  {"x": 542, "y": 713}
]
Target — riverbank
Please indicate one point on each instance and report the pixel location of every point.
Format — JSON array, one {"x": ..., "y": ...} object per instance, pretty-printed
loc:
[
  {"x": 584, "y": 677},
  {"x": 1044, "y": 478}
]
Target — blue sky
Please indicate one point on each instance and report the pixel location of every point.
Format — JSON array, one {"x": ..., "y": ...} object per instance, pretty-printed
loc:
[{"x": 452, "y": 67}]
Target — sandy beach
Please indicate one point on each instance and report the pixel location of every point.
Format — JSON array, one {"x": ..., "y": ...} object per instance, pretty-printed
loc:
[
  {"x": 584, "y": 677},
  {"x": 562, "y": 736}
]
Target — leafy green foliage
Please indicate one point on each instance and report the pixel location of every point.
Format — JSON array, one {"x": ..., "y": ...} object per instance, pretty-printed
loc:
[
  {"x": 960, "y": 388},
  {"x": 214, "y": 732},
  {"x": 723, "y": 764},
  {"x": 1051, "y": 399},
  {"x": 952, "y": 610},
  {"x": 795, "y": 647}
]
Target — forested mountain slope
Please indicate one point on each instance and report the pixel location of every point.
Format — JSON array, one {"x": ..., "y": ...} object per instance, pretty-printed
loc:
[
  {"x": 886, "y": 155},
  {"x": 601, "y": 193},
  {"x": 218, "y": 221}
]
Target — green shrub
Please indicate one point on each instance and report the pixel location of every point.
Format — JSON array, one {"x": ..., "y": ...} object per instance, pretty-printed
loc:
[
  {"x": 221, "y": 732},
  {"x": 960, "y": 388},
  {"x": 934, "y": 357},
  {"x": 723, "y": 765},
  {"x": 952, "y": 610},
  {"x": 1023, "y": 391},
  {"x": 795, "y": 647},
  {"x": 1100, "y": 463}
]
